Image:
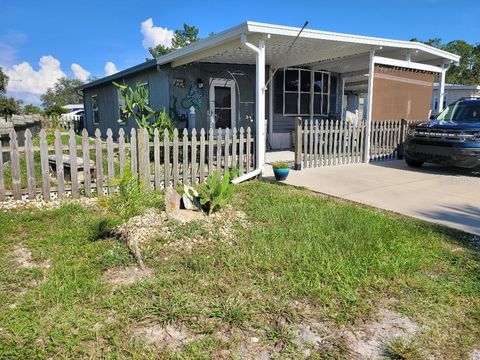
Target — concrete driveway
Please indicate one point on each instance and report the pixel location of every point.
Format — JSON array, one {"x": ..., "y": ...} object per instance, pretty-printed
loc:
[{"x": 445, "y": 196}]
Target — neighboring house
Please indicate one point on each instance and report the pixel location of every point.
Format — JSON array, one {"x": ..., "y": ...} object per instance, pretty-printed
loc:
[
  {"x": 453, "y": 92},
  {"x": 273, "y": 72}
]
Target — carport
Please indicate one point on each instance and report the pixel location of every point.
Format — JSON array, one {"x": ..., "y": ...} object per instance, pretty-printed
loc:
[{"x": 273, "y": 48}]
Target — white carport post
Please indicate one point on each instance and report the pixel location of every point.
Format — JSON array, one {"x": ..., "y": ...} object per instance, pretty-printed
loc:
[
  {"x": 371, "y": 71},
  {"x": 260, "y": 139},
  {"x": 441, "y": 90}
]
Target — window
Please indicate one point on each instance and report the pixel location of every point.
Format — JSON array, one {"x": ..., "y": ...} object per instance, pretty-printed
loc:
[
  {"x": 304, "y": 92},
  {"x": 95, "y": 117},
  {"x": 122, "y": 118}
]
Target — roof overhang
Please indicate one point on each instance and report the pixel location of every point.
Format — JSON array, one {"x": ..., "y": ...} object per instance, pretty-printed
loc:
[{"x": 320, "y": 49}]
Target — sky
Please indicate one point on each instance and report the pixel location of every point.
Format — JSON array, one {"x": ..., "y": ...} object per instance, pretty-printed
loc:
[{"x": 43, "y": 40}]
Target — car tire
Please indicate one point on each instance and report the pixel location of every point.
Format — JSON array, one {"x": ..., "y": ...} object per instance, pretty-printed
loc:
[{"x": 413, "y": 163}]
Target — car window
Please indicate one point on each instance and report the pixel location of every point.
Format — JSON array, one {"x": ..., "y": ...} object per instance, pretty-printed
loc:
[{"x": 461, "y": 113}]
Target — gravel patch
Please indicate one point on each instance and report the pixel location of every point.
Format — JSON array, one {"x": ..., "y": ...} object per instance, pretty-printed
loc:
[{"x": 46, "y": 205}]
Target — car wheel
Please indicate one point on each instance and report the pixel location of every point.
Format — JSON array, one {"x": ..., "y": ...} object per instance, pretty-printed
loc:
[{"x": 413, "y": 163}]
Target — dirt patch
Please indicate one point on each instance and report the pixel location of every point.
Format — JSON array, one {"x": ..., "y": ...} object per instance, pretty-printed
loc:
[
  {"x": 24, "y": 260},
  {"x": 170, "y": 336},
  {"x": 123, "y": 276},
  {"x": 369, "y": 340}
]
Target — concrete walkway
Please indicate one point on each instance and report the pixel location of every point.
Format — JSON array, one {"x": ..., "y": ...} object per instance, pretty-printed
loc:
[{"x": 445, "y": 196}]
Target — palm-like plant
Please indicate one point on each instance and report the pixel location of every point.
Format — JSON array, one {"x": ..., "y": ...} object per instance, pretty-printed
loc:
[{"x": 137, "y": 107}]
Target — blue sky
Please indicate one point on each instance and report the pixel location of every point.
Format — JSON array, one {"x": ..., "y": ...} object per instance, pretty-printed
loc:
[{"x": 92, "y": 33}]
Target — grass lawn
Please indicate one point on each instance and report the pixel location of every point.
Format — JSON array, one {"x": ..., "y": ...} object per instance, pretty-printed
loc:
[{"x": 302, "y": 258}]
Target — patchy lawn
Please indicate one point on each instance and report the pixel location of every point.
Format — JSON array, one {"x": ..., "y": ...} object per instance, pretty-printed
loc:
[{"x": 289, "y": 275}]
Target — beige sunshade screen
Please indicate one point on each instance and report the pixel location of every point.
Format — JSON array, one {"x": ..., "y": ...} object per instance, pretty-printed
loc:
[{"x": 401, "y": 94}]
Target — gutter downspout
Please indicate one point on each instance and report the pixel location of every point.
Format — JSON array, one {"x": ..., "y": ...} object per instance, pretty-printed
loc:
[{"x": 260, "y": 108}]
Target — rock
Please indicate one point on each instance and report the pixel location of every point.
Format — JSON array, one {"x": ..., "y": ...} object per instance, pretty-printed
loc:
[
  {"x": 185, "y": 216},
  {"x": 187, "y": 203},
  {"x": 172, "y": 200},
  {"x": 191, "y": 199}
]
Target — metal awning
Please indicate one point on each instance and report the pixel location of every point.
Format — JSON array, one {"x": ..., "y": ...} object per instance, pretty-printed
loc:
[{"x": 319, "y": 49}]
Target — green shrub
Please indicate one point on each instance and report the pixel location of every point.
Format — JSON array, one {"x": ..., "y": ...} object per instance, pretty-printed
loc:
[
  {"x": 216, "y": 192},
  {"x": 128, "y": 201},
  {"x": 280, "y": 165}
]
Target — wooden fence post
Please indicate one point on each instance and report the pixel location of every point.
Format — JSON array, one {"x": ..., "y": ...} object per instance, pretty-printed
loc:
[
  {"x": 156, "y": 159},
  {"x": 59, "y": 164},
  {"x": 166, "y": 157},
  {"x": 15, "y": 165},
  {"x": 185, "y": 157},
  {"x": 110, "y": 165},
  {"x": 175, "y": 158},
  {"x": 143, "y": 151},
  {"x": 73, "y": 162},
  {"x": 2, "y": 182},
  {"x": 403, "y": 131},
  {"x": 44, "y": 165},
  {"x": 133, "y": 152},
  {"x": 87, "y": 178},
  {"x": 99, "y": 163},
  {"x": 202, "y": 157},
  {"x": 30, "y": 165},
  {"x": 121, "y": 150}
]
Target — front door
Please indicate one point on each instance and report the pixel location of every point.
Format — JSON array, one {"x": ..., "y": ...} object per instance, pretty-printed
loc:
[{"x": 222, "y": 104}]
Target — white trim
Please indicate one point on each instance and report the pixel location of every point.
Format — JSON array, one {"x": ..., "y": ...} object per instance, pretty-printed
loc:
[
  {"x": 371, "y": 73},
  {"x": 442, "y": 89},
  {"x": 270, "y": 105},
  {"x": 406, "y": 64},
  {"x": 211, "y": 98}
]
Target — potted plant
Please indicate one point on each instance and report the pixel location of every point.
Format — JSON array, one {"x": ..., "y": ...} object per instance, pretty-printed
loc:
[{"x": 281, "y": 170}]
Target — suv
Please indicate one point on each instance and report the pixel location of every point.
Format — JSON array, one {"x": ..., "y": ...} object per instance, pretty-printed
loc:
[{"x": 452, "y": 138}]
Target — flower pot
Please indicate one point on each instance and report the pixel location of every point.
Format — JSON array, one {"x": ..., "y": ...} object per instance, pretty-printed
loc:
[{"x": 281, "y": 174}]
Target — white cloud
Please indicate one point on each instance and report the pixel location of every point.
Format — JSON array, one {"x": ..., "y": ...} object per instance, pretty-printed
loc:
[
  {"x": 80, "y": 73},
  {"x": 9, "y": 44},
  {"x": 28, "y": 84},
  {"x": 155, "y": 35},
  {"x": 110, "y": 68}
]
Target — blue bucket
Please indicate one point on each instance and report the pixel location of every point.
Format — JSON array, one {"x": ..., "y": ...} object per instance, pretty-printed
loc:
[{"x": 281, "y": 174}]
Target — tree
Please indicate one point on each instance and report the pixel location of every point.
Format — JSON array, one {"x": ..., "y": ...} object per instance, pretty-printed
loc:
[
  {"x": 3, "y": 82},
  {"x": 31, "y": 109},
  {"x": 62, "y": 93},
  {"x": 9, "y": 106},
  {"x": 181, "y": 38},
  {"x": 55, "y": 110},
  {"x": 468, "y": 71}
]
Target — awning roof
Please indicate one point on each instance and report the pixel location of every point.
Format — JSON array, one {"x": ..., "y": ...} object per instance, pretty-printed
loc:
[{"x": 320, "y": 49}]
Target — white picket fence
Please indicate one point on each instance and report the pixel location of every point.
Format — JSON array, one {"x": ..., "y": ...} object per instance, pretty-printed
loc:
[
  {"x": 72, "y": 165},
  {"x": 335, "y": 142}
]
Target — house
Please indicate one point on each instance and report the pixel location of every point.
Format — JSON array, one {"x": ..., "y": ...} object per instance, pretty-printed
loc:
[
  {"x": 276, "y": 73},
  {"x": 452, "y": 93}
]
